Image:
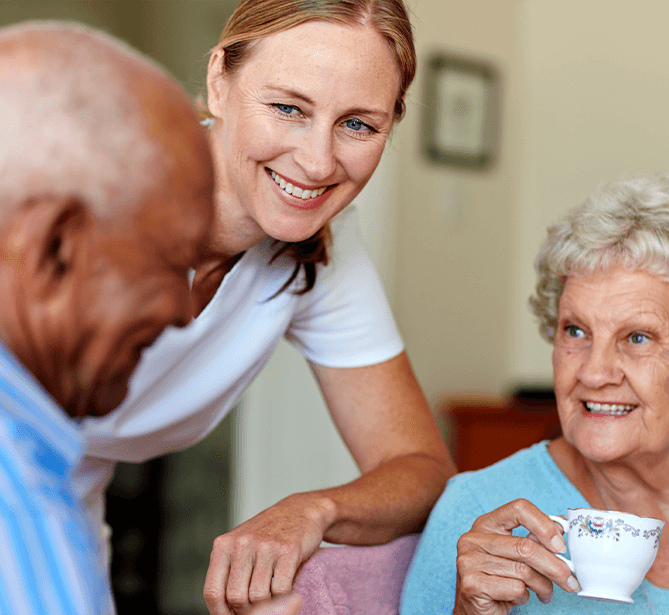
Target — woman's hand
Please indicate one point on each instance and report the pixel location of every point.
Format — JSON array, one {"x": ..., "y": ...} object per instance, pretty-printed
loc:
[
  {"x": 287, "y": 605},
  {"x": 260, "y": 558},
  {"x": 388, "y": 426},
  {"x": 496, "y": 570}
]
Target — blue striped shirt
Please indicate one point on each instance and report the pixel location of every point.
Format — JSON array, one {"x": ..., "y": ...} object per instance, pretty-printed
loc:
[{"x": 49, "y": 552}]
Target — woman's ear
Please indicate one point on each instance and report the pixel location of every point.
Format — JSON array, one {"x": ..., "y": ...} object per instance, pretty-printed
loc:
[{"x": 216, "y": 82}]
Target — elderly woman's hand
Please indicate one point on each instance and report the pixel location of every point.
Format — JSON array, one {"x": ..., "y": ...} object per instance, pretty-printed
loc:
[
  {"x": 260, "y": 558},
  {"x": 496, "y": 570}
]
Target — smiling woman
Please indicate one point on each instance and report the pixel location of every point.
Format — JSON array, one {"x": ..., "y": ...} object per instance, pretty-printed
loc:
[
  {"x": 302, "y": 97},
  {"x": 326, "y": 133},
  {"x": 602, "y": 298},
  {"x": 610, "y": 362}
]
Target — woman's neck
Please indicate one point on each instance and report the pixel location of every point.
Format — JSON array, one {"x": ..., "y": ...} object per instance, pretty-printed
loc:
[{"x": 618, "y": 485}]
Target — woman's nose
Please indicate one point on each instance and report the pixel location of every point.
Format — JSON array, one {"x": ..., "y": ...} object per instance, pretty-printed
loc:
[
  {"x": 601, "y": 366},
  {"x": 316, "y": 155}
]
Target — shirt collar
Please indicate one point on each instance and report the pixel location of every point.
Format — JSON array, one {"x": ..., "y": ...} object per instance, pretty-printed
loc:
[{"x": 26, "y": 400}]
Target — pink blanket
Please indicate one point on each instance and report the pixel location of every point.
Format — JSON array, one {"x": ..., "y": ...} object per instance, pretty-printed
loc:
[{"x": 356, "y": 580}]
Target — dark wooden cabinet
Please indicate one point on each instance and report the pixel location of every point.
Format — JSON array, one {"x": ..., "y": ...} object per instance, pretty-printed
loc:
[{"x": 481, "y": 430}]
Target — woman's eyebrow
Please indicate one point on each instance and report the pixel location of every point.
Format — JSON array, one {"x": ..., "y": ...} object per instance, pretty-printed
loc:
[{"x": 291, "y": 93}]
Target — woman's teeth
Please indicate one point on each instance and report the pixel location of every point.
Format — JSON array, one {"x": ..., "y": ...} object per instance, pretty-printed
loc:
[
  {"x": 608, "y": 408},
  {"x": 294, "y": 190}
]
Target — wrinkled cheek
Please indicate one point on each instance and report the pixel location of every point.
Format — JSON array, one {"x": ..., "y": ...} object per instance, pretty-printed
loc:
[{"x": 557, "y": 362}]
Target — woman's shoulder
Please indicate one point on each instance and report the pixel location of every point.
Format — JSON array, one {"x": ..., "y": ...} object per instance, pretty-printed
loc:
[{"x": 530, "y": 459}]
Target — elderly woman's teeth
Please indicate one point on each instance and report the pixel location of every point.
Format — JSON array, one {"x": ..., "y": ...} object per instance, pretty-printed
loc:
[
  {"x": 294, "y": 190},
  {"x": 608, "y": 408}
]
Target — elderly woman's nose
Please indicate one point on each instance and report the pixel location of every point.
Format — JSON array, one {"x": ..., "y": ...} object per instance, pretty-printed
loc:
[
  {"x": 316, "y": 155},
  {"x": 601, "y": 366}
]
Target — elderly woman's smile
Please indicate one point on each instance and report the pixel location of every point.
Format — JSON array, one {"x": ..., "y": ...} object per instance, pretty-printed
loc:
[
  {"x": 611, "y": 362},
  {"x": 607, "y": 409}
]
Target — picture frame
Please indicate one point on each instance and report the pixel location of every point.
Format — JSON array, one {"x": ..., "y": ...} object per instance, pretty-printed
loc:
[{"x": 460, "y": 112}]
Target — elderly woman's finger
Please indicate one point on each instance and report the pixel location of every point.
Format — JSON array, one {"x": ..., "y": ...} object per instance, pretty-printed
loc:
[
  {"x": 502, "y": 576},
  {"x": 518, "y": 558},
  {"x": 480, "y": 587},
  {"x": 523, "y": 513}
]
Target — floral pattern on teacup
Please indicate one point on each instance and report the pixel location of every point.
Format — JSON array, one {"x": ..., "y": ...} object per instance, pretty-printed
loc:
[{"x": 602, "y": 527}]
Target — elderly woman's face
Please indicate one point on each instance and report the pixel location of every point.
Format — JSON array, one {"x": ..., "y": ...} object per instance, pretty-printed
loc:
[
  {"x": 302, "y": 125},
  {"x": 611, "y": 364}
]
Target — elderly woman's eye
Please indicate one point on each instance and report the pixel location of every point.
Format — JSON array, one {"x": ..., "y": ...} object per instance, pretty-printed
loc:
[
  {"x": 574, "y": 331},
  {"x": 639, "y": 338}
]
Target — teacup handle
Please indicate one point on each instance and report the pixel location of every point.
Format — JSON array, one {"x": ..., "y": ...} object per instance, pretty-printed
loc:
[{"x": 565, "y": 526}]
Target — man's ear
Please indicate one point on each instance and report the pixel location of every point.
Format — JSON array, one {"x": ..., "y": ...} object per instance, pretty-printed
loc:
[
  {"x": 216, "y": 82},
  {"x": 48, "y": 233}
]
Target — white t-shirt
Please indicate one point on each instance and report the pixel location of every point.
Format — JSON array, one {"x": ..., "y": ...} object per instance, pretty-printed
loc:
[{"x": 190, "y": 378}]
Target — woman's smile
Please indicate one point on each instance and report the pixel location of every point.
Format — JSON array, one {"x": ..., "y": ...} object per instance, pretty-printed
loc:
[
  {"x": 303, "y": 196},
  {"x": 607, "y": 408}
]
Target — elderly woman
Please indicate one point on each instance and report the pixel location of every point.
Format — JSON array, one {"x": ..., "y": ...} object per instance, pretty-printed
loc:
[
  {"x": 302, "y": 98},
  {"x": 602, "y": 298}
]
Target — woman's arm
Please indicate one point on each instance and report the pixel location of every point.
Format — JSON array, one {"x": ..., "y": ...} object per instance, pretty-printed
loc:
[{"x": 386, "y": 422}]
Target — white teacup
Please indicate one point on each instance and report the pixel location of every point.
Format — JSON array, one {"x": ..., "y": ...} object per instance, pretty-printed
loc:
[{"x": 611, "y": 551}]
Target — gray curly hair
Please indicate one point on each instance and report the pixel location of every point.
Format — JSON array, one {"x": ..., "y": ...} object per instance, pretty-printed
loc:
[{"x": 624, "y": 223}]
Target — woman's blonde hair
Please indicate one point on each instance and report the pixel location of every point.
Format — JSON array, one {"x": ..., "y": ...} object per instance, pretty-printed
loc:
[
  {"x": 625, "y": 223},
  {"x": 253, "y": 20},
  {"x": 256, "y": 19}
]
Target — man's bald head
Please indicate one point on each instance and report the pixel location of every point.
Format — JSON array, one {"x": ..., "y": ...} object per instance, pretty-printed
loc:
[
  {"x": 72, "y": 116},
  {"x": 106, "y": 187}
]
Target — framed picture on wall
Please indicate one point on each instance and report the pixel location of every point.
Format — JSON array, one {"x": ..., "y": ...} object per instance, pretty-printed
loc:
[{"x": 460, "y": 112}]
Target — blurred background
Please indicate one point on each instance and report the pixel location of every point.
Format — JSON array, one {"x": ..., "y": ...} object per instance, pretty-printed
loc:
[{"x": 581, "y": 99}]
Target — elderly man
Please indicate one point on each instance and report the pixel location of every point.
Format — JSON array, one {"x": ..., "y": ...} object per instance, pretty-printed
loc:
[{"x": 105, "y": 199}]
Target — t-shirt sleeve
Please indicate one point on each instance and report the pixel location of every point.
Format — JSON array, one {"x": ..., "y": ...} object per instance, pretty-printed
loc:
[
  {"x": 430, "y": 583},
  {"x": 345, "y": 320}
]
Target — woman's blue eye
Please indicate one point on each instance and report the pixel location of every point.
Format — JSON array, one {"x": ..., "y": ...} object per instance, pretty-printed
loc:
[
  {"x": 357, "y": 125},
  {"x": 574, "y": 331},
  {"x": 639, "y": 338},
  {"x": 287, "y": 109}
]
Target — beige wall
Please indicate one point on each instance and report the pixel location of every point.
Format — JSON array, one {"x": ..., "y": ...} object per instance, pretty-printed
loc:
[
  {"x": 454, "y": 254},
  {"x": 584, "y": 90},
  {"x": 595, "y": 86}
]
